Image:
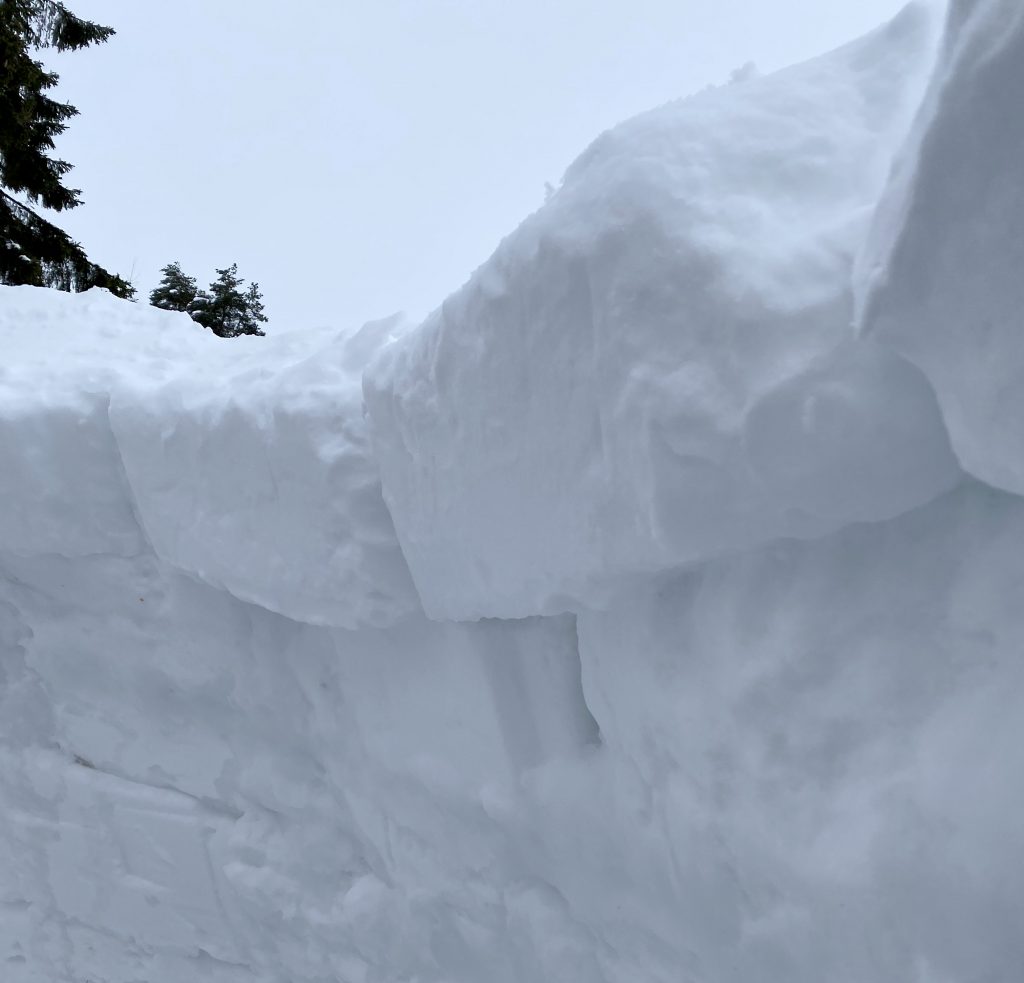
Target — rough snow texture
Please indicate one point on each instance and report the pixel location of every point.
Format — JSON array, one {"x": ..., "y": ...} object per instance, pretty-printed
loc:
[
  {"x": 810, "y": 768},
  {"x": 617, "y": 390},
  {"x": 942, "y": 277},
  {"x": 826, "y": 744},
  {"x": 760, "y": 720},
  {"x": 196, "y": 788}
]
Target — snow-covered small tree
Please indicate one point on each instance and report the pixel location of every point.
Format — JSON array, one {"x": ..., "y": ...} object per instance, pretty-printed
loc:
[
  {"x": 254, "y": 310},
  {"x": 226, "y": 310},
  {"x": 176, "y": 291}
]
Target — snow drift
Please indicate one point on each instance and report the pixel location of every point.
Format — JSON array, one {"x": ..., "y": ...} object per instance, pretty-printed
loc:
[
  {"x": 632, "y": 619},
  {"x": 655, "y": 368}
]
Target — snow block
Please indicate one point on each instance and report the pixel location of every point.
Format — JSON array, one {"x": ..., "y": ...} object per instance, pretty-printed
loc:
[
  {"x": 61, "y": 480},
  {"x": 615, "y": 391},
  {"x": 244, "y": 462},
  {"x": 260, "y": 480},
  {"x": 940, "y": 280}
]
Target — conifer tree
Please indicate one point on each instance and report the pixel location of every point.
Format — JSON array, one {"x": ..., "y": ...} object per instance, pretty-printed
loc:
[
  {"x": 33, "y": 250},
  {"x": 226, "y": 310},
  {"x": 176, "y": 291},
  {"x": 254, "y": 310}
]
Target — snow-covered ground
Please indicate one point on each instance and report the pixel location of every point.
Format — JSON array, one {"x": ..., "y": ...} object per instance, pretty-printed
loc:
[{"x": 652, "y": 613}]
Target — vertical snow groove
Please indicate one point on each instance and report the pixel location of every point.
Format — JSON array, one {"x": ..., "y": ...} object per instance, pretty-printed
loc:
[
  {"x": 535, "y": 676},
  {"x": 129, "y": 491},
  {"x": 589, "y": 721}
]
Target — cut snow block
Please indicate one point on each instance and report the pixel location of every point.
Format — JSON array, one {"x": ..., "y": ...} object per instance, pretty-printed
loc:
[
  {"x": 61, "y": 481},
  {"x": 262, "y": 482},
  {"x": 619, "y": 389},
  {"x": 244, "y": 462},
  {"x": 941, "y": 280}
]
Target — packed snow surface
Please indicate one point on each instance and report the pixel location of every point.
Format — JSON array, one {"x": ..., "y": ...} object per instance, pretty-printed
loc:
[{"x": 634, "y": 619}]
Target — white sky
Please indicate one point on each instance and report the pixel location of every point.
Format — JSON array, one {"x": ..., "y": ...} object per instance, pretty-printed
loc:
[{"x": 358, "y": 159}]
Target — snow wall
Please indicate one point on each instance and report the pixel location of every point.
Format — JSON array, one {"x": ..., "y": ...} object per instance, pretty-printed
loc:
[{"x": 652, "y": 612}]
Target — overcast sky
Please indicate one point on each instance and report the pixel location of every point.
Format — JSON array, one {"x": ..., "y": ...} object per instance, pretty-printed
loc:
[{"x": 362, "y": 158}]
